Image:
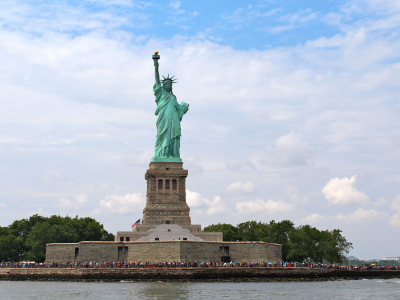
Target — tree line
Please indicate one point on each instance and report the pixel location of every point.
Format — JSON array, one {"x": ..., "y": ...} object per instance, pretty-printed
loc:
[
  {"x": 26, "y": 239},
  {"x": 301, "y": 244},
  {"x": 380, "y": 262}
]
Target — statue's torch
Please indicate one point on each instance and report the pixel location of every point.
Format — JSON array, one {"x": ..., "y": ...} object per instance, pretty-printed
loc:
[{"x": 155, "y": 55}]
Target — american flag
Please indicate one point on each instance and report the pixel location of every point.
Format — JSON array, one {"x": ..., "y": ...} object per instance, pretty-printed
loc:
[{"x": 136, "y": 223}]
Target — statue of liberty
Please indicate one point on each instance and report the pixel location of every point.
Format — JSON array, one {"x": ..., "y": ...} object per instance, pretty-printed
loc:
[{"x": 169, "y": 115}]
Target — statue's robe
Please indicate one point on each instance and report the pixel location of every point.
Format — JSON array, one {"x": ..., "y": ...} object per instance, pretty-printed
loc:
[{"x": 169, "y": 114}]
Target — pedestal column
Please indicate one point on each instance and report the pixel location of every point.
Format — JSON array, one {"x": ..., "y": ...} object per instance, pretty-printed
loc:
[{"x": 166, "y": 195}]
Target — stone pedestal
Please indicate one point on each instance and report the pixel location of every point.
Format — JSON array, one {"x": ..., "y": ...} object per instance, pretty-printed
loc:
[{"x": 166, "y": 195}]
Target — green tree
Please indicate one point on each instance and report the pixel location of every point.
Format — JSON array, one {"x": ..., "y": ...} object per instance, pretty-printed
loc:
[
  {"x": 302, "y": 243},
  {"x": 387, "y": 263},
  {"x": 26, "y": 239},
  {"x": 89, "y": 229},
  {"x": 45, "y": 233},
  {"x": 22, "y": 227},
  {"x": 11, "y": 248},
  {"x": 4, "y": 231},
  {"x": 335, "y": 246},
  {"x": 278, "y": 233},
  {"x": 251, "y": 231},
  {"x": 307, "y": 243},
  {"x": 230, "y": 232}
]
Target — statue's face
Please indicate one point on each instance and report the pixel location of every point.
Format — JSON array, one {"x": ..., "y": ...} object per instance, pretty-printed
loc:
[{"x": 168, "y": 85}]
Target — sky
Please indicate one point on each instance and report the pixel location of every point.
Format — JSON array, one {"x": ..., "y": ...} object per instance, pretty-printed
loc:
[{"x": 294, "y": 111}]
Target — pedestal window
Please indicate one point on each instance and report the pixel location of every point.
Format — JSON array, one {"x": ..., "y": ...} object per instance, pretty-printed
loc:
[
  {"x": 160, "y": 184},
  {"x": 174, "y": 185},
  {"x": 167, "y": 185}
]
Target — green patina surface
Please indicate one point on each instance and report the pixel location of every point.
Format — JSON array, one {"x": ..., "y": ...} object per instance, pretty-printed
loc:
[
  {"x": 166, "y": 159},
  {"x": 169, "y": 116}
]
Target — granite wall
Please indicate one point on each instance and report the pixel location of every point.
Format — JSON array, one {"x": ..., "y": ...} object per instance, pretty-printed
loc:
[
  {"x": 61, "y": 252},
  {"x": 159, "y": 251}
]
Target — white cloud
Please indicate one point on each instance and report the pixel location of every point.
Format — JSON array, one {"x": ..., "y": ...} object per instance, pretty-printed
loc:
[
  {"x": 302, "y": 16},
  {"x": 117, "y": 204},
  {"x": 395, "y": 220},
  {"x": 333, "y": 18},
  {"x": 293, "y": 194},
  {"x": 260, "y": 206},
  {"x": 175, "y": 4},
  {"x": 3, "y": 205},
  {"x": 213, "y": 207},
  {"x": 113, "y": 2},
  {"x": 38, "y": 211},
  {"x": 386, "y": 6},
  {"x": 13, "y": 141},
  {"x": 242, "y": 16},
  {"x": 40, "y": 194},
  {"x": 363, "y": 216},
  {"x": 60, "y": 142},
  {"x": 100, "y": 135},
  {"x": 294, "y": 20},
  {"x": 241, "y": 165},
  {"x": 240, "y": 187},
  {"x": 314, "y": 218},
  {"x": 141, "y": 159},
  {"x": 79, "y": 200},
  {"x": 342, "y": 192},
  {"x": 216, "y": 206},
  {"x": 381, "y": 201},
  {"x": 289, "y": 150},
  {"x": 51, "y": 173},
  {"x": 194, "y": 167},
  {"x": 395, "y": 205},
  {"x": 194, "y": 199},
  {"x": 271, "y": 12}
]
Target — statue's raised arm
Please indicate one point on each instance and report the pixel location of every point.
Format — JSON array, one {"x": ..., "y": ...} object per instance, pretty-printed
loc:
[
  {"x": 169, "y": 115},
  {"x": 156, "y": 57}
]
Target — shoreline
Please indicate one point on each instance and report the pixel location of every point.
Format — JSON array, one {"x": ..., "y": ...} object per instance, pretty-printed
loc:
[{"x": 225, "y": 274}]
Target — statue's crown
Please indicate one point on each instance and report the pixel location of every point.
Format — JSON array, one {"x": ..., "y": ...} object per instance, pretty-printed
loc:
[{"x": 169, "y": 78}]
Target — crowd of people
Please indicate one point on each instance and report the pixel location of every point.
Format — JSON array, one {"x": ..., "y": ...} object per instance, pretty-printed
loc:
[{"x": 209, "y": 264}]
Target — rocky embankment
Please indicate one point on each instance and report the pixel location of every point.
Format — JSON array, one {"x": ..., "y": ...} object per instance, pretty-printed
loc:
[{"x": 192, "y": 274}]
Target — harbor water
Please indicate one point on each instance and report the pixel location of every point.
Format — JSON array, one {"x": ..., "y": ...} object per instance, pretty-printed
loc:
[{"x": 343, "y": 289}]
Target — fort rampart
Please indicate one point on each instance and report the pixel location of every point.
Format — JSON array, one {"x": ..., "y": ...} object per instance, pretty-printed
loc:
[
  {"x": 156, "y": 251},
  {"x": 190, "y": 274}
]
